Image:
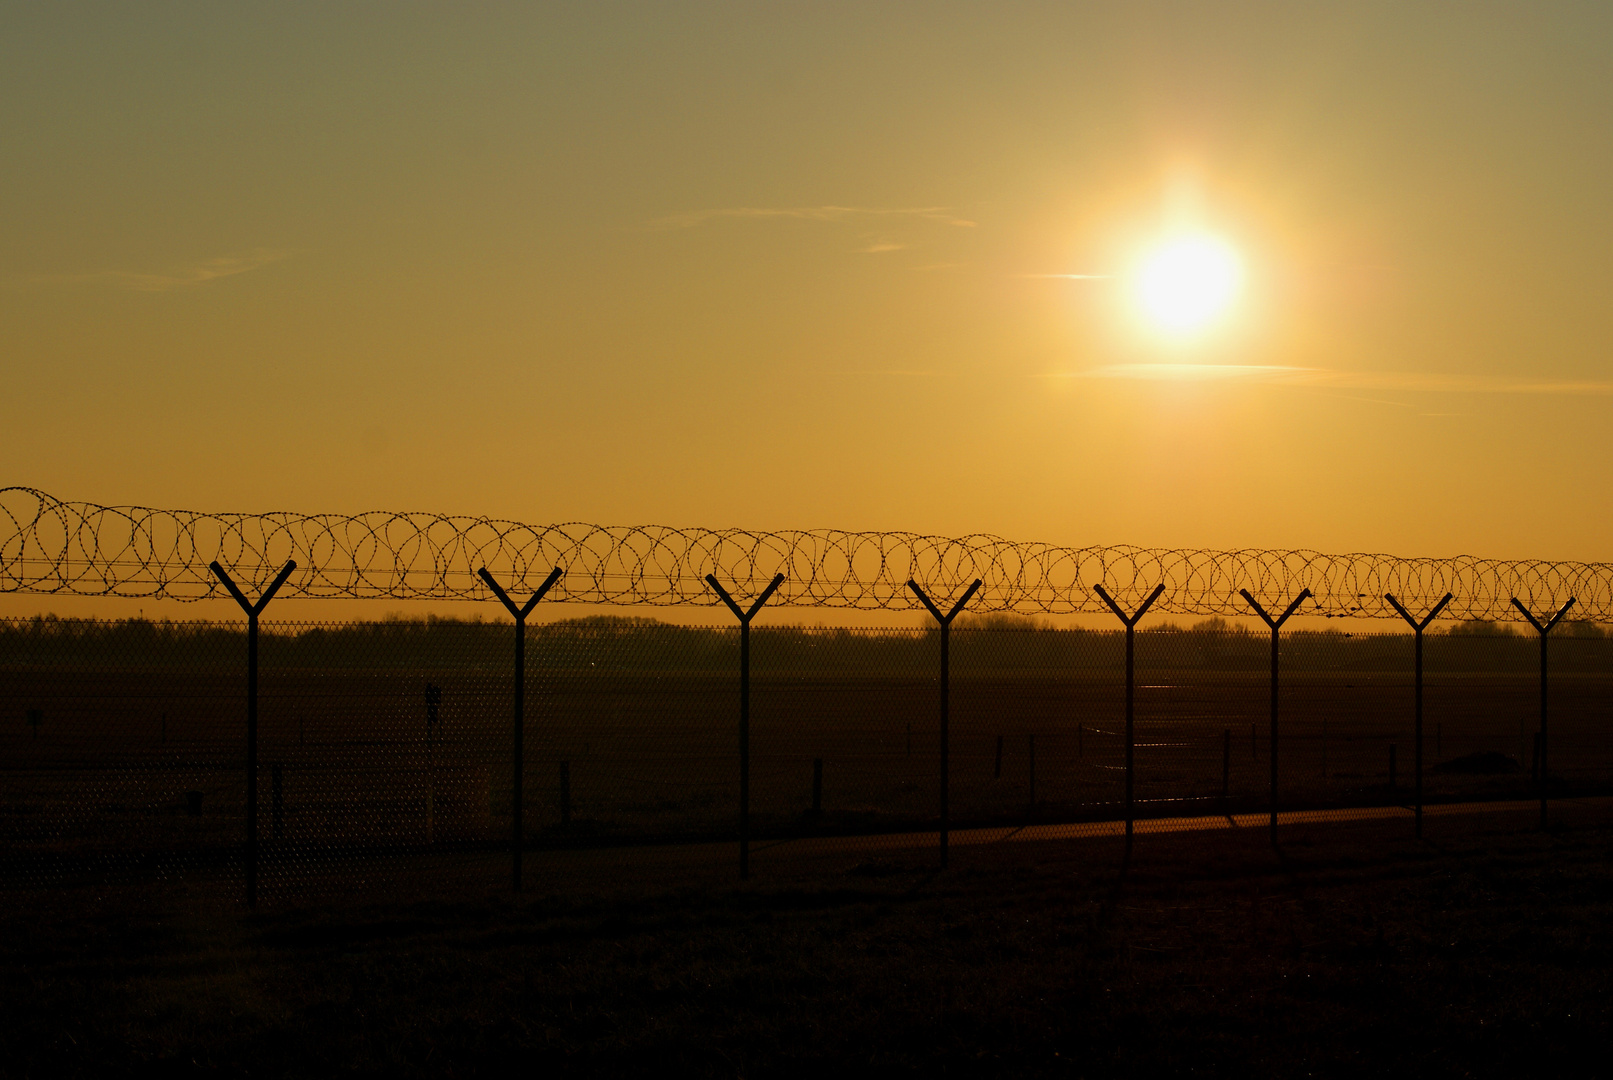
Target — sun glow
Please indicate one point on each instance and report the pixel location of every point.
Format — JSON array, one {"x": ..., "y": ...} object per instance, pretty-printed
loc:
[{"x": 1185, "y": 284}]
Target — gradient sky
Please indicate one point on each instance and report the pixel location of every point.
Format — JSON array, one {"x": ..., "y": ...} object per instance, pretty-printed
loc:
[{"x": 787, "y": 266}]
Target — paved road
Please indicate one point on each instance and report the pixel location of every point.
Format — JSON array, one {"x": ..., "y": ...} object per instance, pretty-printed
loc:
[{"x": 1090, "y": 829}]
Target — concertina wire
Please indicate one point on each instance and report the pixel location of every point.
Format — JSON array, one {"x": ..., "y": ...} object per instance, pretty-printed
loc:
[{"x": 53, "y": 547}]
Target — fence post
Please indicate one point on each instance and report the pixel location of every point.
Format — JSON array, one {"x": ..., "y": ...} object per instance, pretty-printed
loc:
[
  {"x": 1544, "y": 742},
  {"x": 997, "y": 769},
  {"x": 433, "y": 703},
  {"x": 1418, "y": 626},
  {"x": 817, "y": 786},
  {"x": 277, "y": 799},
  {"x": 1393, "y": 783},
  {"x": 518, "y": 754},
  {"x": 946, "y": 633},
  {"x": 565, "y": 793},
  {"x": 1276, "y": 637},
  {"x": 744, "y": 616},
  {"x": 1131, "y": 740},
  {"x": 1226, "y": 765},
  {"x": 253, "y": 610},
  {"x": 1033, "y": 775}
]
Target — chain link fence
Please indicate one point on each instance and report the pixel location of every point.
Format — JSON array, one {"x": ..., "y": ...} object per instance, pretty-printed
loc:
[{"x": 385, "y": 748}]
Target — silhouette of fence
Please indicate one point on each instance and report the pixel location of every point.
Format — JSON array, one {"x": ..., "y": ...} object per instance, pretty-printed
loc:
[
  {"x": 406, "y": 755},
  {"x": 385, "y": 746}
]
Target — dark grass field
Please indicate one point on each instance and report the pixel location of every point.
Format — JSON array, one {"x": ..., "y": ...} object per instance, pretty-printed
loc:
[
  {"x": 131, "y": 716},
  {"x": 1482, "y": 951}
]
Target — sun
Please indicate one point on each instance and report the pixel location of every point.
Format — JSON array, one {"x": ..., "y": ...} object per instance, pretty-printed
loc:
[{"x": 1185, "y": 284}]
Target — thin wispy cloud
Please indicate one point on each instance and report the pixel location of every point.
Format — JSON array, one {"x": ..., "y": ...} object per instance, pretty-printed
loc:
[
  {"x": 1070, "y": 277},
  {"x": 185, "y": 277},
  {"x": 1381, "y": 381},
  {"x": 942, "y": 214},
  {"x": 880, "y": 247}
]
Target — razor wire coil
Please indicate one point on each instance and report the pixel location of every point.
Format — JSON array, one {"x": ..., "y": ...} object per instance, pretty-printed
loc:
[{"x": 49, "y": 546}]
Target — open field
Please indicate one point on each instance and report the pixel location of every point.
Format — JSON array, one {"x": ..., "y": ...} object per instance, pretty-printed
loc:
[
  {"x": 645, "y": 719},
  {"x": 1354, "y": 951}
]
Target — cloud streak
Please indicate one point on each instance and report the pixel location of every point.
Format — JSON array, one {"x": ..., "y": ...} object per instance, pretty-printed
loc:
[
  {"x": 1070, "y": 277},
  {"x": 942, "y": 214},
  {"x": 1404, "y": 381},
  {"x": 187, "y": 277}
]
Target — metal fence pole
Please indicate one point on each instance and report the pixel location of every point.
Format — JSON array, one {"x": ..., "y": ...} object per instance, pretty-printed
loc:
[
  {"x": 1418, "y": 626},
  {"x": 946, "y": 694},
  {"x": 518, "y": 752},
  {"x": 433, "y": 705},
  {"x": 253, "y": 610},
  {"x": 1033, "y": 773},
  {"x": 745, "y": 617},
  {"x": 1226, "y": 765},
  {"x": 1542, "y": 740},
  {"x": 1131, "y": 733},
  {"x": 565, "y": 793},
  {"x": 1276, "y": 638}
]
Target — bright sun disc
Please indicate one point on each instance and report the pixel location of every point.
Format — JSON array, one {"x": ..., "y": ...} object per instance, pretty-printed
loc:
[{"x": 1184, "y": 284}]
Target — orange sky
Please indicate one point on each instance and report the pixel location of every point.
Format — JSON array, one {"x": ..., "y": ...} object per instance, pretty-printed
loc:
[{"x": 785, "y": 266}]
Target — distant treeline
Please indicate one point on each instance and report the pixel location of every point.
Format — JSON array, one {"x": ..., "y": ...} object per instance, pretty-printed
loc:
[{"x": 988, "y": 645}]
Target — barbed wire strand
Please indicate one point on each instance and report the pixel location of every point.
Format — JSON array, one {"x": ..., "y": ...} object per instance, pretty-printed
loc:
[{"x": 53, "y": 547}]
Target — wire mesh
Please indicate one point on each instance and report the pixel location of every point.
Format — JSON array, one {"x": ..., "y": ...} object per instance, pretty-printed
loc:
[{"x": 385, "y": 747}]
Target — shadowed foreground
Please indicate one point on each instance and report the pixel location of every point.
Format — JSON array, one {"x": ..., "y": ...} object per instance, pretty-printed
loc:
[{"x": 1484, "y": 951}]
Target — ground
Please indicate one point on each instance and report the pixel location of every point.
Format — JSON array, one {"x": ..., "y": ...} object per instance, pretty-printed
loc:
[{"x": 1353, "y": 950}]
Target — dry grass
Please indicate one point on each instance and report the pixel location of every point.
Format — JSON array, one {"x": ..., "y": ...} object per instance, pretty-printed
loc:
[{"x": 1483, "y": 951}]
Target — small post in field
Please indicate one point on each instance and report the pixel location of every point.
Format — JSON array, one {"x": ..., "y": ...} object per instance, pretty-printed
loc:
[
  {"x": 277, "y": 800},
  {"x": 997, "y": 770},
  {"x": 565, "y": 793},
  {"x": 1033, "y": 773},
  {"x": 817, "y": 786},
  {"x": 433, "y": 704},
  {"x": 1392, "y": 782},
  {"x": 1226, "y": 765}
]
